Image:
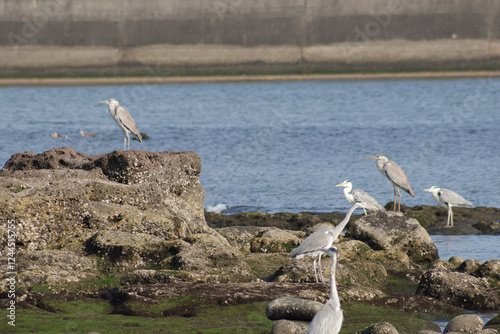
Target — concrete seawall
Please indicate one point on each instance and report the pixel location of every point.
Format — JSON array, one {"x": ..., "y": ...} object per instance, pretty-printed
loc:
[{"x": 174, "y": 37}]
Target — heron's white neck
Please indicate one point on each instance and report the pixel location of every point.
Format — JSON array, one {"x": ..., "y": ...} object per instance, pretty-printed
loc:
[
  {"x": 436, "y": 196},
  {"x": 380, "y": 165},
  {"x": 338, "y": 229},
  {"x": 348, "y": 196},
  {"x": 113, "y": 105},
  {"x": 334, "y": 295}
]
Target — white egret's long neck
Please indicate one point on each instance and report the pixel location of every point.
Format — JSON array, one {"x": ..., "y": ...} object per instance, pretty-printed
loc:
[
  {"x": 334, "y": 295},
  {"x": 348, "y": 196},
  {"x": 344, "y": 222}
]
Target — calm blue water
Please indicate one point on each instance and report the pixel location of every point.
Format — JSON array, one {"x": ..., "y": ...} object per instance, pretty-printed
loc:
[
  {"x": 282, "y": 146},
  {"x": 473, "y": 247}
]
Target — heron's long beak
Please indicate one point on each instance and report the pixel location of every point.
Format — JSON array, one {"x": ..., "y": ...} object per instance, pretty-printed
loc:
[
  {"x": 427, "y": 190},
  {"x": 340, "y": 184},
  {"x": 102, "y": 102},
  {"x": 374, "y": 157}
]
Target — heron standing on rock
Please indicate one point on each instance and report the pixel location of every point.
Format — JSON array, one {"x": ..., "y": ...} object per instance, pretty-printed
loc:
[
  {"x": 124, "y": 121},
  {"x": 354, "y": 195},
  {"x": 395, "y": 175},
  {"x": 449, "y": 199},
  {"x": 314, "y": 245},
  {"x": 329, "y": 318}
]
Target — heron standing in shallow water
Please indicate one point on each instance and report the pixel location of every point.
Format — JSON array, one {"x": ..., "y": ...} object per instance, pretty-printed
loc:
[
  {"x": 329, "y": 318},
  {"x": 449, "y": 199},
  {"x": 322, "y": 239},
  {"x": 353, "y": 195},
  {"x": 395, "y": 175},
  {"x": 124, "y": 121}
]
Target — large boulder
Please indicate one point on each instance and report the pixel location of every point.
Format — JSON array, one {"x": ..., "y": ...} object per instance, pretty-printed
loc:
[
  {"x": 291, "y": 308},
  {"x": 62, "y": 196},
  {"x": 468, "y": 323},
  {"x": 459, "y": 289},
  {"x": 392, "y": 231}
]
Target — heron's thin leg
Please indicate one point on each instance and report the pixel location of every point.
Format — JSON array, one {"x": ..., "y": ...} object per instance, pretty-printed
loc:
[
  {"x": 399, "y": 199},
  {"x": 128, "y": 137},
  {"x": 394, "y": 188},
  {"x": 320, "y": 271},
  {"x": 451, "y": 219},
  {"x": 450, "y": 215},
  {"x": 365, "y": 212},
  {"x": 124, "y": 142},
  {"x": 315, "y": 273}
]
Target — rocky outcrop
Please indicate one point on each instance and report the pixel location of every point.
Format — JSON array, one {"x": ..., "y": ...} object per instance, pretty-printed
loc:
[
  {"x": 257, "y": 239},
  {"x": 61, "y": 196},
  {"x": 395, "y": 232},
  {"x": 131, "y": 209},
  {"x": 459, "y": 289}
]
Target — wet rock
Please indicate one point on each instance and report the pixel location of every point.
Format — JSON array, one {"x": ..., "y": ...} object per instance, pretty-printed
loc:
[
  {"x": 258, "y": 239},
  {"x": 153, "y": 276},
  {"x": 468, "y": 323},
  {"x": 442, "y": 265},
  {"x": 366, "y": 273},
  {"x": 459, "y": 289},
  {"x": 283, "y": 220},
  {"x": 52, "y": 267},
  {"x": 354, "y": 250},
  {"x": 427, "y": 331},
  {"x": 288, "y": 327},
  {"x": 61, "y": 196},
  {"x": 210, "y": 254},
  {"x": 491, "y": 227},
  {"x": 414, "y": 304},
  {"x": 490, "y": 269},
  {"x": 495, "y": 321},
  {"x": 456, "y": 261},
  {"x": 291, "y": 308},
  {"x": 435, "y": 217},
  {"x": 380, "y": 328},
  {"x": 392, "y": 231},
  {"x": 469, "y": 266},
  {"x": 132, "y": 249},
  {"x": 393, "y": 259}
]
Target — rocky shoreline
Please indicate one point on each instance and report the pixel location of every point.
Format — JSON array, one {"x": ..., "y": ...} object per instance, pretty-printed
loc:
[{"x": 122, "y": 237}]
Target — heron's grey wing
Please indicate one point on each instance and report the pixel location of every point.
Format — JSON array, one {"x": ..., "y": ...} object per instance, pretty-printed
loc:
[
  {"x": 320, "y": 239},
  {"x": 453, "y": 198},
  {"x": 398, "y": 177},
  {"x": 128, "y": 122},
  {"x": 363, "y": 196}
]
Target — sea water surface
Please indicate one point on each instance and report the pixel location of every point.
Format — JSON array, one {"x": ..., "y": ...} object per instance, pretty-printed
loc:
[{"x": 284, "y": 145}]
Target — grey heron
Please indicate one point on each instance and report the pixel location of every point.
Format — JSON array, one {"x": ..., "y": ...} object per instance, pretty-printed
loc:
[
  {"x": 353, "y": 195},
  {"x": 395, "y": 175},
  {"x": 449, "y": 199},
  {"x": 322, "y": 239},
  {"x": 124, "y": 121},
  {"x": 329, "y": 318}
]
